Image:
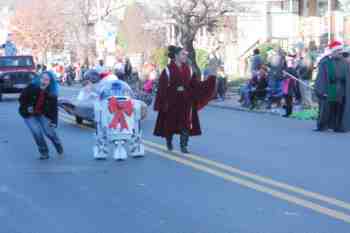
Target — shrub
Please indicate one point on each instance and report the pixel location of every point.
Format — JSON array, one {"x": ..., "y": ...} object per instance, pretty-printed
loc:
[
  {"x": 265, "y": 48},
  {"x": 202, "y": 57},
  {"x": 160, "y": 57}
]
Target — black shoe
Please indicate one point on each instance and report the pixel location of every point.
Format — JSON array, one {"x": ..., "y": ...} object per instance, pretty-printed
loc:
[
  {"x": 339, "y": 131},
  {"x": 169, "y": 144},
  {"x": 59, "y": 149},
  {"x": 184, "y": 137},
  {"x": 184, "y": 150},
  {"x": 319, "y": 130}
]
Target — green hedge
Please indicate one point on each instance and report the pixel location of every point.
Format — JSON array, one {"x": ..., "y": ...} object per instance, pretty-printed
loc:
[
  {"x": 265, "y": 48},
  {"x": 160, "y": 57},
  {"x": 202, "y": 57}
]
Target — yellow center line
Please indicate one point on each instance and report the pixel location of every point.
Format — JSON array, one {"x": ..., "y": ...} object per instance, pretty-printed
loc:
[
  {"x": 192, "y": 161},
  {"x": 257, "y": 187},
  {"x": 258, "y": 178}
]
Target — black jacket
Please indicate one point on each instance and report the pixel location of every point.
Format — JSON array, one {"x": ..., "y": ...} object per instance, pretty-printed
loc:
[{"x": 29, "y": 97}]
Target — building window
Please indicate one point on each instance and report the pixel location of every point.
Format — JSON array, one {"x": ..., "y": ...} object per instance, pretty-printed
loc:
[
  {"x": 285, "y": 6},
  {"x": 322, "y": 7}
]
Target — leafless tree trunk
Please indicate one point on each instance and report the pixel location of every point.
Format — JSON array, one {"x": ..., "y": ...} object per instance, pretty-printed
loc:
[
  {"x": 82, "y": 18},
  {"x": 192, "y": 15}
]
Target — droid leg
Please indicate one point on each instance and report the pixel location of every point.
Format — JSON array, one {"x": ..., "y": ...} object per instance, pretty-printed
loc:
[
  {"x": 120, "y": 152},
  {"x": 138, "y": 147},
  {"x": 101, "y": 147}
]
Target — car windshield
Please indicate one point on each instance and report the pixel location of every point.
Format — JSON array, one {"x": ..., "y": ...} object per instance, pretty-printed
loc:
[{"x": 16, "y": 62}]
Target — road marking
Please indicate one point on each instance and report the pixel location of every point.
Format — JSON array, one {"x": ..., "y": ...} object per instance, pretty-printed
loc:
[
  {"x": 258, "y": 178},
  {"x": 189, "y": 159},
  {"x": 257, "y": 187}
]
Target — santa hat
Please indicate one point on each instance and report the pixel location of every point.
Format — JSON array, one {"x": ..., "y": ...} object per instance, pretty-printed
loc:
[
  {"x": 105, "y": 74},
  {"x": 108, "y": 76},
  {"x": 335, "y": 46}
]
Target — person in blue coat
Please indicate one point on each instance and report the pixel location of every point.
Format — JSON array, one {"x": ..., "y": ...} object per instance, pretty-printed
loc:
[{"x": 9, "y": 47}]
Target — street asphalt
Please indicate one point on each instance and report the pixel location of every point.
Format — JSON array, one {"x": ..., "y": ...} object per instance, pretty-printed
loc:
[{"x": 248, "y": 173}]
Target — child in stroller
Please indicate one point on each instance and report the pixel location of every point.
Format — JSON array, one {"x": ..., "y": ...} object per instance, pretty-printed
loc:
[{"x": 255, "y": 90}]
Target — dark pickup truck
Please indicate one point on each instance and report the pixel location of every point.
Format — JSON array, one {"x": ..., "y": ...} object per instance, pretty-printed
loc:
[{"x": 15, "y": 74}]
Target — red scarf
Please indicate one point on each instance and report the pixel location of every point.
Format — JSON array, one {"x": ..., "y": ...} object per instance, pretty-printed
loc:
[{"x": 39, "y": 106}]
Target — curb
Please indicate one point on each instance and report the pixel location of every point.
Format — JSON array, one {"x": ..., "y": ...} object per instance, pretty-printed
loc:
[{"x": 241, "y": 109}]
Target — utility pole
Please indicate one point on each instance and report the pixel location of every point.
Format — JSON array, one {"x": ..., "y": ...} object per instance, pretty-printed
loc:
[
  {"x": 329, "y": 20},
  {"x": 99, "y": 30}
]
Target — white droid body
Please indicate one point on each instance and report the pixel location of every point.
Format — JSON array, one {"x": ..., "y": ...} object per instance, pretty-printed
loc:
[{"x": 118, "y": 122}]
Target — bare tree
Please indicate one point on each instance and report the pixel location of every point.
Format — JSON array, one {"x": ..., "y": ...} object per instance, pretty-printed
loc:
[
  {"x": 344, "y": 5},
  {"x": 191, "y": 15},
  {"x": 38, "y": 25},
  {"x": 139, "y": 28},
  {"x": 81, "y": 18}
]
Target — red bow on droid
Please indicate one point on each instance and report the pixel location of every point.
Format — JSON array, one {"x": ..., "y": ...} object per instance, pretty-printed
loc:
[{"x": 119, "y": 108}]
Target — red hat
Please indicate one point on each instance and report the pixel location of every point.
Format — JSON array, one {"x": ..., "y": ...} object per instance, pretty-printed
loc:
[
  {"x": 335, "y": 46},
  {"x": 105, "y": 74}
]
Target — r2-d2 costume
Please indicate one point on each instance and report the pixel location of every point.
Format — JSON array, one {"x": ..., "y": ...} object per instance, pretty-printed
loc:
[{"x": 118, "y": 121}]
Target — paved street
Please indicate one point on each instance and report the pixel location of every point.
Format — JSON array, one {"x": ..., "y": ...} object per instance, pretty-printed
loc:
[{"x": 249, "y": 173}]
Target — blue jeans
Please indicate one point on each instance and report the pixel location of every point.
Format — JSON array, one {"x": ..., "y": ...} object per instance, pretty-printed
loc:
[{"x": 40, "y": 127}]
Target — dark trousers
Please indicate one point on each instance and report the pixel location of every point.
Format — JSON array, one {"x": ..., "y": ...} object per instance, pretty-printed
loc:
[
  {"x": 298, "y": 96},
  {"x": 331, "y": 115},
  {"x": 289, "y": 104},
  {"x": 184, "y": 138}
]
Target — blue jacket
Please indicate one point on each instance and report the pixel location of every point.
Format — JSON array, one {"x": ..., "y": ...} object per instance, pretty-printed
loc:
[{"x": 10, "y": 48}]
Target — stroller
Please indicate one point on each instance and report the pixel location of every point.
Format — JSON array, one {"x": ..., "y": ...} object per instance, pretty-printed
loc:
[{"x": 118, "y": 121}]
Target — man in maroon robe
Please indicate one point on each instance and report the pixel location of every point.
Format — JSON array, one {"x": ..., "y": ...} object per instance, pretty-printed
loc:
[{"x": 179, "y": 98}]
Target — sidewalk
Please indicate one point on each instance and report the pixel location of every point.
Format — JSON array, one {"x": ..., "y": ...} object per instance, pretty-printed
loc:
[{"x": 231, "y": 102}]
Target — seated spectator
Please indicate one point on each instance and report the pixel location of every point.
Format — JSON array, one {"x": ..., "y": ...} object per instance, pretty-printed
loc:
[
  {"x": 255, "y": 88},
  {"x": 274, "y": 92},
  {"x": 259, "y": 87},
  {"x": 222, "y": 83}
]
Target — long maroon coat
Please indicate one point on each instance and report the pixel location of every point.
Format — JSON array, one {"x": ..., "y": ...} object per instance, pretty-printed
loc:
[{"x": 178, "y": 110}]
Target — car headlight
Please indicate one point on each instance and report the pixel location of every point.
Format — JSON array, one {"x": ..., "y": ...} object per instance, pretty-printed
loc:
[{"x": 6, "y": 77}]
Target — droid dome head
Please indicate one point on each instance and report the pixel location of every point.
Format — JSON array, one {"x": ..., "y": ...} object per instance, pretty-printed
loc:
[
  {"x": 117, "y": 88},
  {"x": 91, "y": 76}
]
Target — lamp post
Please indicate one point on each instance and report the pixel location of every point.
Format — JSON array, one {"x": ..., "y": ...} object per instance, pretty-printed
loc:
[
  {"x": 329, "y": 20},
  {"x": 99, "y": 30}
]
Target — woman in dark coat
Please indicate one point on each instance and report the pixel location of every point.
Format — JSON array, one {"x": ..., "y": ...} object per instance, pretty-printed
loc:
[
  {"x": 38, "y": 107},
  {"x": 179, "y": 98}
]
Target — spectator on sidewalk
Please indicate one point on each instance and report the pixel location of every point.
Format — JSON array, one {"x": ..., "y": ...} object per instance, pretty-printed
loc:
[
  {"x": 100, "y": 67},
  {"x": 82, "y": 72},
  {"x": 211, "y": 69},
  {"x": 127, "y": 69},
  {"x": 9, "y": 47},
  {"x": 304, "y": 70},
  {"x": 289, "y": 86},
  {"x": 38, "y": 107},
  {"x": 256, "y": 62},
  {"x": 259, "y": 84},
  {"x": 255, "y": 88},
  {"x": 331, "y": 87},
  {"x": 222, "y": 83}
]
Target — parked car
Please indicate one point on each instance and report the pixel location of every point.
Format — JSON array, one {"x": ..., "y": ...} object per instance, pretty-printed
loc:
[{"x": 15, "y": 73}]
